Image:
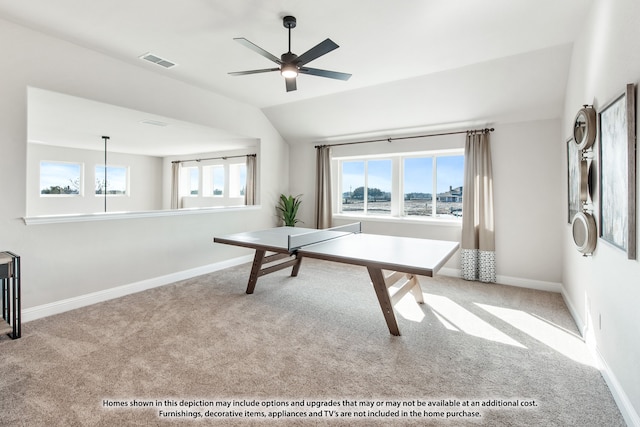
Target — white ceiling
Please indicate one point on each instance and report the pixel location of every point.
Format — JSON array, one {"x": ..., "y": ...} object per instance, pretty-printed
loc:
[
  {"x": 68, "y": 121},
  {"x": 390, "y": 47}
]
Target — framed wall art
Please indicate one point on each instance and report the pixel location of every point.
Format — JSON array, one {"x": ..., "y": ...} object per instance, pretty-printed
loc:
[
  {"x": 573, "y": 179},
  {"x": 617, "y": 172}
]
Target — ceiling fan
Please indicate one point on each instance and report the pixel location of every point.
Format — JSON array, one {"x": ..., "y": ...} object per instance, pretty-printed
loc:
[{"x": 291, "y": 64}]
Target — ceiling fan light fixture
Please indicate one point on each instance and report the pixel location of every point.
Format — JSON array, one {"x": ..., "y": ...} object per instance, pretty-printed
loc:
[
  {"x": 289, "y": 71},
  {"x": 290, "y": 64}
]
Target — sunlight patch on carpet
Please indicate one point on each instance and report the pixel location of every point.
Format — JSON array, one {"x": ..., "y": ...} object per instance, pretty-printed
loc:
[
  {"x": 408, "y": 308},
  {"x": 554, "y": 336},
  {"x": 454, "y": 315}
]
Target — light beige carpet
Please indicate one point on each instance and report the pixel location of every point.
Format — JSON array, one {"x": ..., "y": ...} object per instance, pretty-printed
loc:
[{"x": 316, "y": 340}]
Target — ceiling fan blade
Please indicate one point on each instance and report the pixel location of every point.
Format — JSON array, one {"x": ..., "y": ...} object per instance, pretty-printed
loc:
[
  {"x": 291, "y": 84},
  {"x": 325, "y": 73},
  {"x": 317, "y": 51},
  {"x": 258, "y": 49},
  {"x": 244, "y": 73}
]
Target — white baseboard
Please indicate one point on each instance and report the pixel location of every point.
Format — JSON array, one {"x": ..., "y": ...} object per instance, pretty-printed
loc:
[
  {"x": 512, "y": 281},
  {"x": 624, "y": 404},
  {"x": 61, "y": 306},
  {"x": 627, "y": 410},
  {"x": 539, "y": 285},
  {"x": 622, "y": 400}
]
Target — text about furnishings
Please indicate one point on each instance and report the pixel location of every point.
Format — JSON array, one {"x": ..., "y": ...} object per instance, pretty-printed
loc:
[{"x": 170, "y": 408}]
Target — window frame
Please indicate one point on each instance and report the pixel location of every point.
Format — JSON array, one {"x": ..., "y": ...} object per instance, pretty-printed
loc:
[
  {"x": 62, "y": 162},
  {"x": 209, "y": 182},
  {"x": 365, "y": 195},
  {"x": 397, "y": 189},
  {"x": 186, "y": 181},
  {"x": 234, "y": 178},
  {"x": 127, "y": 174}
]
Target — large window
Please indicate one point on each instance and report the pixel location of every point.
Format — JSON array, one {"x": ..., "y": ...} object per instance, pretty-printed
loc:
[
  {"x": 425, "y": 185},
  {"x": 60, "y": 178},
  {"x": 213, "y": 184}
]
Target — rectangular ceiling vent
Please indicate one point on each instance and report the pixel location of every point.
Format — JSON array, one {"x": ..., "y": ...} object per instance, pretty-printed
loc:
[
  {"x": 157, "y": 60},
  {"x": 154, "y": 123}
]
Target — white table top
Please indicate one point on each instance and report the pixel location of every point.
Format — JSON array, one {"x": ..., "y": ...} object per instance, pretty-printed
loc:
[
  {"x": 272, "y": 239},
  {"x": 406, "y": 254}
]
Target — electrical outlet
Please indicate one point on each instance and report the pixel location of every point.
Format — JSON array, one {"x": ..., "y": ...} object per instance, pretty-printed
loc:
[{"x": 599, "y": 321}]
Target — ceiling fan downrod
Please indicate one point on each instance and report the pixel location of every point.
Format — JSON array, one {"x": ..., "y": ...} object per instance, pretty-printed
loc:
[{"x": 289, "y": 22}]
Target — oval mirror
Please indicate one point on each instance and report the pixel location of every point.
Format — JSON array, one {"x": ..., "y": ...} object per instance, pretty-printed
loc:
[
  {"x": 584, "y": 232},
  {"x": 584, "y": 128}
]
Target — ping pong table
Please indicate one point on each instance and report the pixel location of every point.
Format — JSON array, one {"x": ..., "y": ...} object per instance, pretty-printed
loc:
[{"x": 393, "y": 262}]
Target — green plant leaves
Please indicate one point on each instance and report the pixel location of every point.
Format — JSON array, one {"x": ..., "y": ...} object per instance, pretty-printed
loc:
[{"x": 288, "y": 207}]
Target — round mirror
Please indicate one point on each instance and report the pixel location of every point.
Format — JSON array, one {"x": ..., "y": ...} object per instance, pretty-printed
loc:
[
  {"x": 584, "y": 128},
  {"x": 584, "y": 232}
]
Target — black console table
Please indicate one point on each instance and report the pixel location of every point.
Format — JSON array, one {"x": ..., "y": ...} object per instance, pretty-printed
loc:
[{"x": 10, "y": 279}]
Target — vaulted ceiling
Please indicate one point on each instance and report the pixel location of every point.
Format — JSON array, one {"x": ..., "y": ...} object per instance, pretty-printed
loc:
[{"x": 415, "y": 64}]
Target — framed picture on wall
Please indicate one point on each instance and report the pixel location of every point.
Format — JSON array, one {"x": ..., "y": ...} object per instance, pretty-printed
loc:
[
  {"x": 618, "y": 172},
  {"x": 573, "y": 179}
]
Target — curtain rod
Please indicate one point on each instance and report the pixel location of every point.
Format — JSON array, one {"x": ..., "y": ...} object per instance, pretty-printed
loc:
[
  {"x": 214, "y": 158},
  {"x": 485, "y": 130}
]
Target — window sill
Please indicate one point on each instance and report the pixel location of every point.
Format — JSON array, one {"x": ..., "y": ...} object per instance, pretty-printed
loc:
[
  {"x": 441, "y": 222},
  {"x": 108, "y": 216}
]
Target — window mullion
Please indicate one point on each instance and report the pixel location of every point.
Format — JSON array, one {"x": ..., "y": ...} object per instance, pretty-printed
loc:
[
  {"x": 366, "y": 187},
  {"x": 434, "y": 198},
  {"x": 396, "y": 186}
]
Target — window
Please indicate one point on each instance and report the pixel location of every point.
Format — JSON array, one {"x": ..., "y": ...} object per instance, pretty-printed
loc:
[
  {"x": 421, "y": 185},
  {"x": 60, "y": 178},
  {"x": 366, "y": 186},
  {"x": 449, "y": 181},
  {"x": 190, "y": 180},
  {"x": 418, "y": 186},
  {"x": 352, "y": 180},
  {"x": 237, "y": 179},
  {"x": 213, "y": 184},
  {"x": 116, "y": 180}
]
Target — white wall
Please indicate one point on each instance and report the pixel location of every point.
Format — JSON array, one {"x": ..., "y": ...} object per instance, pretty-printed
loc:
[
  {"x": 606, "y": 286},
  {"x": 527, "y": 196},
  {"x": 67, "y": 260}
]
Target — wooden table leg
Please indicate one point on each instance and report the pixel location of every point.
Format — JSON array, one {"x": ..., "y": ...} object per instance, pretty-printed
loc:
[
  {"x": 296, "y": 266},
  {"x": 261, "y": 259},
  {"x": 377, "y": 278},
  {"x": 255, "y": 270}
]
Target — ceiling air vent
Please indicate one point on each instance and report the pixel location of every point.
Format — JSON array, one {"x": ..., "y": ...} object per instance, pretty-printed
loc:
[
  {"x": 154, "y": 123},
  {"x": 157, "y": 60}
]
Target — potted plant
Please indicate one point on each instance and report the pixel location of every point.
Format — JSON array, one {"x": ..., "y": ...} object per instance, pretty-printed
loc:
[{"x": 288, "y": 207}]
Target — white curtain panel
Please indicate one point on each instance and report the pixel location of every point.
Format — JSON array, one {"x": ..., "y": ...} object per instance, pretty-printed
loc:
[
  {"x": 323, "y": 187},
  {"x": 175, "y": 185},
  {"x": 250, "y": 187},
  {"x": 478, "y": 232}
]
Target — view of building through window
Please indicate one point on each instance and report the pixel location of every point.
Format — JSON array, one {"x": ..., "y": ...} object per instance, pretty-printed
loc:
[{"x": 430, "y": 185}]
